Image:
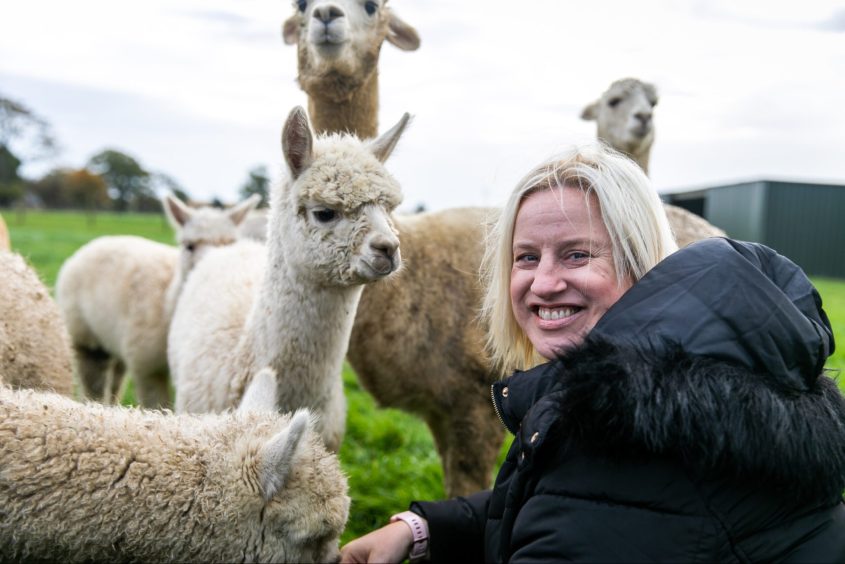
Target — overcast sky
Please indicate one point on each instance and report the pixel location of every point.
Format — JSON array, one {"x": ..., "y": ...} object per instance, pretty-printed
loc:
[{"x": 749, "y": 89}]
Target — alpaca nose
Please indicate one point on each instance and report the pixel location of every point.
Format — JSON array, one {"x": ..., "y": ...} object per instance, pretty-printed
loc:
[
  {"x": 328, "y": 13},
  {"x": 385, "y": 254},
  {"x": 643, "y": 117}
]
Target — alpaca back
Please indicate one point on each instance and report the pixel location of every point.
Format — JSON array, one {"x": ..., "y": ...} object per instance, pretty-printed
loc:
[
  {"x": 34, "y": 345},
  {"x": 83, "y": 482}
]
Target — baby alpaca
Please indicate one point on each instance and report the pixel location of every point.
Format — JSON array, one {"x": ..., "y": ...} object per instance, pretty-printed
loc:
[
  {"x": 117, "y": 295},
  {"x": 34, "y": 345},
  {"x": 88, "y": 482},
  {"x": 290, "y": 304}
]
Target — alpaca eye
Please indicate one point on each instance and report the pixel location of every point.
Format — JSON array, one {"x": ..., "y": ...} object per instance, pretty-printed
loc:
[
  {"x": 371, "y": 7},
  {"x": 190, "y": 247},
  {"x": 325, "y": 215},
  {"x": 613, "y": 102},
  {"x": 302, "y": 4}
]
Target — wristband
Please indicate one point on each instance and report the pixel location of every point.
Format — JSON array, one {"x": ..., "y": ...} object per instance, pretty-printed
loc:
[{"x": 419, "y": 530}]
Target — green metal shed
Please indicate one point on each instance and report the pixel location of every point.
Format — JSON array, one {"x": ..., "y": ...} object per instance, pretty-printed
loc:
[{"x": 801, "y": 220}]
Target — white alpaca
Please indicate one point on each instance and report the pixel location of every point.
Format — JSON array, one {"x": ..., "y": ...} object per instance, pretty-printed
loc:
[
  {"x": 88, "y": 482},
  {"x": 422, "y": 323},
  {"x": 338, "y": 46},
  {"x": 290, "y": 304},
  {"x": 117, "y": 295},
  {"x": 34, "y": 345},
  {"x": 624, "y": 120}
]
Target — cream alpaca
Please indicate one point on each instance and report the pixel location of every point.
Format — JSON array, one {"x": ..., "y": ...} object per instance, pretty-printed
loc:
[
  {"x": 624, "y": 120},
  {"x": 290, "y": 304},
  {"x": 117, "y": 295},
  {"x": 88, "y": 482},
  {"x": 420, "y": 324},
  {"x": 34, "y": 345}
]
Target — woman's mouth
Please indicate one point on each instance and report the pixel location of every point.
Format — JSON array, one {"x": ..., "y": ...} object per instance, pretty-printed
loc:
[{"x": 556, "y": 313}]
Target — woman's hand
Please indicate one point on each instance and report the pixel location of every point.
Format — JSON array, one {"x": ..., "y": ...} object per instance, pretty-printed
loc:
[{"x": 390, "y": 544}]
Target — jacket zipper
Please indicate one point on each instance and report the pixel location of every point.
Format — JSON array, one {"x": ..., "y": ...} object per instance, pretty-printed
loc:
[{"x": 496, "y": 407}]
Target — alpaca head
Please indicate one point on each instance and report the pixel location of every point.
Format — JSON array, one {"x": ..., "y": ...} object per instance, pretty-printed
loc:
[
  {"x": 295, "y": 487},
  {"x": 199, "y": 229},
  {"x": 339, "y": 41},
  {"x": 332, "y": 217},
  {"x": 624, "y": 117}
]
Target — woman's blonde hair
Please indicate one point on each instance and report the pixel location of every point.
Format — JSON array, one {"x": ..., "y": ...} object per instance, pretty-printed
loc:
[{"x": 630, "y": 209}]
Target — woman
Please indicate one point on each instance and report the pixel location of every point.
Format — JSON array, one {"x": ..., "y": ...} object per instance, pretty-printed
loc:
[{"x": 684, "y": 415}]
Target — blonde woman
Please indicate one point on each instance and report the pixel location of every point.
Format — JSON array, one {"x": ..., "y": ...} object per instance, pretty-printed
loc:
[{"x": 664, "y": 411}]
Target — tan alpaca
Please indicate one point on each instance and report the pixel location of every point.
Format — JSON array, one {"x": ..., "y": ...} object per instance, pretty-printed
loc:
[{"x": 624, "y": 120}]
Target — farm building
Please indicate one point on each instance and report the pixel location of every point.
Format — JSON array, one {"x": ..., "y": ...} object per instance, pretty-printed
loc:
[{"x": 801, "y": 220}]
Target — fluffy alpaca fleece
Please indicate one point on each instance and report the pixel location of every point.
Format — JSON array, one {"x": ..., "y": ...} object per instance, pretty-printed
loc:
[
  {"x": 290, "y": 304},
  {"x": 117, "y": 295},
  {"x": 624, "y": 120},
  {"x": 719, "y": 419},
  {"x": 87, "y": 482},
  {"x": 5, "y": 243},
  {"x": 417, "y": 344},
  {"x": 34, "y": 345},
  {"x": 338, "y": 60}
]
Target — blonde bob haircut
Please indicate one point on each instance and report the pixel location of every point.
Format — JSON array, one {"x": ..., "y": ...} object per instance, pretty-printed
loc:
[{"x": 630, "y": 209}]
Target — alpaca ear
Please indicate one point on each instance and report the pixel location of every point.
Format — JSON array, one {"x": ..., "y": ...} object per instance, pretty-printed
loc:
[
  {"x": 261, "y": 392},
  {"x": 290, "y": 30},
  {"x": 401, "y": 34},
  {"x": 590, "y": 113},
  {"x": 178, "y": 214},
  {"x": 279, "y": 456},
  {"x": 297, "y": 141},
  {"x": 239, "y": 211},
  {"x": 384, "y": 145}
]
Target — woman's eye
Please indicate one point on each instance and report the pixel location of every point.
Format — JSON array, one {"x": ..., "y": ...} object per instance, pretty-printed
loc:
[
  {"x": 579, "y": 256},
  {"x": 324, "y": 215},
  {"x": 302, "y": 4},
  {"x": 371, "y": 7},
  {"x": 527, "y": 258}
]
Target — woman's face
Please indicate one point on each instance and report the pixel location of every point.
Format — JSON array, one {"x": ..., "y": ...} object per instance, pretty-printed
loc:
[{"x": 563, "y": 279}]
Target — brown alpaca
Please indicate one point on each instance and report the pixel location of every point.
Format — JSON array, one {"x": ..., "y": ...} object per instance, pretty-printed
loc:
[{"x": 416, "y": 344}]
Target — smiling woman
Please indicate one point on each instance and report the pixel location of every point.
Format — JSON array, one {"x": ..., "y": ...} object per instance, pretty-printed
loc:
[{"x": 654, "y": 358}]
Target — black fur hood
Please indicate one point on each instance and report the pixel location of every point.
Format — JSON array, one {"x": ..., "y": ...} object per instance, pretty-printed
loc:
[{"x": 715, "y": 358}]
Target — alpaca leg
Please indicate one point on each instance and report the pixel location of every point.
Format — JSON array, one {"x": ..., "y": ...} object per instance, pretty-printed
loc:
[
  {"x": 97, "y": 374},
  {"x": 152, "y": 388},
  {"x": 468, "y": 441}
]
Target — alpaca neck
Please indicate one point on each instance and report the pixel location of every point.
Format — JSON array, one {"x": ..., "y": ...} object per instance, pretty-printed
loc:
[
  {"x": 642, "y": 160},
  {"x": 357, "y": 114},
  {"x": 300, "y": 329}
]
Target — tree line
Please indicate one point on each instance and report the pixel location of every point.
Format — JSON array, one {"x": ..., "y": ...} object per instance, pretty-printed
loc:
[{"x": 110, "y": 180}]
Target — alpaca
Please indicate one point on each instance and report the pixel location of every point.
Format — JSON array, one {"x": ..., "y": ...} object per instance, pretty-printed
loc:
[
  {"x": 420, "y": 324},
  {"x": 290, "y": 304},
  {"x": 5, "y": 243},
  {"x": 624, "y": 120},
  {"x": 338, "y": 46},
  {"x": 117, "y": 295},
  {"x": 84, "y": 482},
  {"x": 34, "y": 345}
]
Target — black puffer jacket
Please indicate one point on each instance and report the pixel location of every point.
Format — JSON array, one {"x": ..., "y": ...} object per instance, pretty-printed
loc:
[{"x": 694, "y": 425}]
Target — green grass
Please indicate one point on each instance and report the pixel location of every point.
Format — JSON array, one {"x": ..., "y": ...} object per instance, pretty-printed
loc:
[{"x": 388, "y": 455}]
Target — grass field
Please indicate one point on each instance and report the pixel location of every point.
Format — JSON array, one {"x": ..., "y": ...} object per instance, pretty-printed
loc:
[{"x": 388, "y": 455}]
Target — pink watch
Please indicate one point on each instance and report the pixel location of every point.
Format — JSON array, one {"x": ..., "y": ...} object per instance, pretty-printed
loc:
[{"x": 419, "y": 529}]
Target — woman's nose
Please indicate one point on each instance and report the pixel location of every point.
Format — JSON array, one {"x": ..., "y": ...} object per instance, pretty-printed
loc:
[{"x": 548, "y": 279}]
